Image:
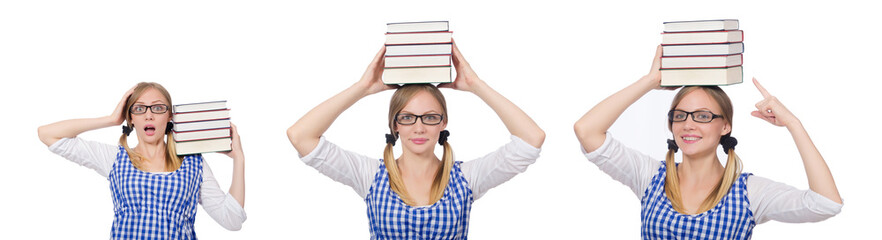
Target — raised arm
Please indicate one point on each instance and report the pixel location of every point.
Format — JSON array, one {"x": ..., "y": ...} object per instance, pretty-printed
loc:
[
  {"x": 516, "y": 121},
  {"x": 307, "y": 131},
  {"x": 51, "y": 133},
  {"x": 591, "y": 128},
  {"x": 237, "y": 187},
  {"x": 819, "y": 177}
]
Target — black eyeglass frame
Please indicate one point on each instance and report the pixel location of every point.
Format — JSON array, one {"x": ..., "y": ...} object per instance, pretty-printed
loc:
[
  {"x": 150, "y": 107},
  {"x": 671, "y": 115},
  {"x": 420, "y": 117}
]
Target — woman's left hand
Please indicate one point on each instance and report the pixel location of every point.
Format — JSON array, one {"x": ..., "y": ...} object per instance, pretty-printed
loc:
[
  {"x": 466, "y": 78},
  {"x": 236, "y": 153},
  {"x": 771, "y": 110}
]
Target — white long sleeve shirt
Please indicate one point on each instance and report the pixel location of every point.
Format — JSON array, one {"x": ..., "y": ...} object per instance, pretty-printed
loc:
[
  {"x": 357, "y": 171},
  {"x": 769, "y": 200},
  {"x": 221, "y": 206}
]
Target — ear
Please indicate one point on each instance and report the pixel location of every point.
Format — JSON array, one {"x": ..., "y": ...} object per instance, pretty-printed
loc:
[{"x": 726, "y": 129}]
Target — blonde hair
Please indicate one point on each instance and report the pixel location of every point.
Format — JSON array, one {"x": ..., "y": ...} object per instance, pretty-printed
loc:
[
  {"x": 733, "y": 162},
  {"x": 172, "y": 161},
  {"x": 442, "y": 176}
]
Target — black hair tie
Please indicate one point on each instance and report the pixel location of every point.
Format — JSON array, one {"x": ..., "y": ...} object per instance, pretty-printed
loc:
[
  {"x": 672, "y": 145},
  {"x": 728, "y": 142},
  {"x": 443, "y": 138},
  {"x": 127, "y": 130},
  {"x": 390, "y": 139},
  {"x": 169, "y": 126}
]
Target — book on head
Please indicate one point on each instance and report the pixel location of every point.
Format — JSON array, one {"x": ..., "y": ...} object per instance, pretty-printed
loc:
[
  {"x": 702, "y": 49},
  {"x": 701, "y": 76},
  {"x": 720, "y": 61},
  {"x": 702, "y": 37},
  {"x": 430, "y": 26},
  {"x": 418, "y": 52},
  {"x": 701, "y": 25}
]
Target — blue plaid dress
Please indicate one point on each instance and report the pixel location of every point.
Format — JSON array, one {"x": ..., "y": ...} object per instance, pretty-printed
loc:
[
  {"x": 730, "y": 219},
  {"x": 154, "y": 206},
  {"x": 391, "y": 218}
]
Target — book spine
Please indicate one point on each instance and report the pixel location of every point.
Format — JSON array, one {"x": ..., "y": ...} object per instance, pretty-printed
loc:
[
  {"x": 202, "y": 111},
  {"x": 394, "y": 33},
  {"x": 200, "y": 139},
  {"x": 202, "y": 120}
]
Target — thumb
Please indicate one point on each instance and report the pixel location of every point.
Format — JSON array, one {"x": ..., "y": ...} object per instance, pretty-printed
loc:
[{"x": 758, "y": 114}]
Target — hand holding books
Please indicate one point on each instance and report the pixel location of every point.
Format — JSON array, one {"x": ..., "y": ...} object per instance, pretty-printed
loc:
[
  {"x": 372, "y": 79},
  {"x": 236, "y": 146},
  {"x": 654, "y": 75},
  {"x": 466, "y": 78}
]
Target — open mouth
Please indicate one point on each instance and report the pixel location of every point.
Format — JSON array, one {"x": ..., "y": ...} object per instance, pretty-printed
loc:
[{"x": 150, "y": 130}]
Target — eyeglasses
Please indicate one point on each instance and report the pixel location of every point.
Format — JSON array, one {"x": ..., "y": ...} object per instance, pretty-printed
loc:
[
  {"x": 428, "y": 119},
  {"x": 697, "y": 116},
  {"x": 156, "y": 108}
]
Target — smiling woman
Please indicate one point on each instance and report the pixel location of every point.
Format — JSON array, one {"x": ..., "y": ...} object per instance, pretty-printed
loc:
[
  {"x": 137, "y": 174},
  {"x": 691, "y": 199}
]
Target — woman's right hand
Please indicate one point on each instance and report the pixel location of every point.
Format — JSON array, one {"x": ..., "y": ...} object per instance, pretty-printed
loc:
[
  {"x": 372, "y": 79},
  {"x": 654, "y": 75},
  {"x": 119, "y": 113},
  {"x": 51, "y": 133}
]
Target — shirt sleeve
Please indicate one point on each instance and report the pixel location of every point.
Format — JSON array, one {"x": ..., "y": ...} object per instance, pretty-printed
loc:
[
  {"x": 93, "y": 155},
  {"x": 770, "y": 200},
  {"x": 352, "y": 169},
  {"x": 221, "y": 206},
  {"x": 499, "y": 166},
  {"x": 624, "y": 164}
]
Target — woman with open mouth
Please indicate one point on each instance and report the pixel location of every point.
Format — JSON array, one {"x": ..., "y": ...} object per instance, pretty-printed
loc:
[
  {"x": 699, "y": 198},
  {"x": 417, "y": 195},
  {"x": 155, "y": 192}
]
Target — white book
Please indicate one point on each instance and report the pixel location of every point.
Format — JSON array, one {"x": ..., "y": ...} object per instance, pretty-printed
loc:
[
  {"x": 203, "y": 106},
  {"x": 203, "y": 146},
  {"x": 422, "y": 49},
  {"x": 417, "y": 61},
  {"x": 702, "y": 37},
  {"x": 201, "y": 134},
  {"x": 431, "y": 26},
  {"x": 701, "y": 76},
  {"x": 417, "y": 75},
  {"x": 181, "y": 117},
  {"x": 702, "y": 49},
  {"x": 701, "y": 25},
  {"x": 418, "y": 38},
  {"x": 202, "y": 125},
  {"x": 701, "y": 61}
]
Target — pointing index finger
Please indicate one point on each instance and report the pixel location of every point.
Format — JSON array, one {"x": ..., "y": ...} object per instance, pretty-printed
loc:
[{"x": 761, "y": 89}]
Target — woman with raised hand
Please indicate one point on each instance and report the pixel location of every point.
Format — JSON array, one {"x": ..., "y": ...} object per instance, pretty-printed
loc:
[
  {"x": 417, "y": 195},
  {"x": 154, "y": 191},
  {"x": 700, "y": 198}
]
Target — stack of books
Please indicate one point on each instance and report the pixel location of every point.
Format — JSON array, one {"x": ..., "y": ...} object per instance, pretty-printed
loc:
[
  {"x": 201, "y": 127},
  {"x": 418, "y": 52},
  {"x": 706, "y": 52}
]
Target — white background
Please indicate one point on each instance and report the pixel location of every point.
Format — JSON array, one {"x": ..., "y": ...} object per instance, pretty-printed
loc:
[{"x": 275, "y": 60}]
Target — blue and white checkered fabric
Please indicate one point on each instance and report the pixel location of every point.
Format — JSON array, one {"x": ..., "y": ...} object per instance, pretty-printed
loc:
[
  {"x": 730, "y": 219},
  {"x": 154, "y": 206},
  {"x": 391, "y": 218}
]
